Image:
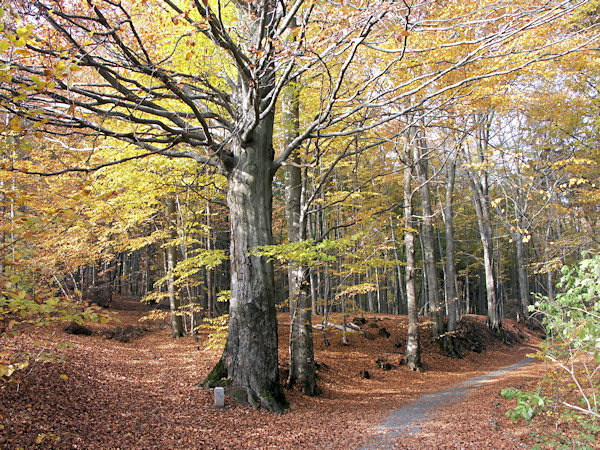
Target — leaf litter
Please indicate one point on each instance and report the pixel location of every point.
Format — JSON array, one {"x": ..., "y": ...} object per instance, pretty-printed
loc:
[{"x": 144, "y": 393}]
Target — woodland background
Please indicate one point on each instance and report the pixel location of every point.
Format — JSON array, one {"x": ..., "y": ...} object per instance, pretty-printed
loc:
[{"x": 429, "y": 159}]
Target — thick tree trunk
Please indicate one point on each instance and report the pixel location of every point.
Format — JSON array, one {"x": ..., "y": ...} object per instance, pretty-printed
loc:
[
  {"x": 413, "y": 342},
  {"x": 176, "y": 319},
  {"x": 250, "y": 357}
]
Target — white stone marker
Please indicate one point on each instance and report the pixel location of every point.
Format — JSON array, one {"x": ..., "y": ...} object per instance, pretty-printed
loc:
[{"x": 219, "y": 397}]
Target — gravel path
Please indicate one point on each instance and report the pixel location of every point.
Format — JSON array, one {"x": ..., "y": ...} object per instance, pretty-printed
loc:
[{"x": 406, "y": 420}]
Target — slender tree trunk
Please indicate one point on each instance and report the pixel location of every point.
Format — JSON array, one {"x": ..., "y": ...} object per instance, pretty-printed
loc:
[
  {"x": 176, "y": 318},
  {"x": 344, "y": 336},
  {"x": 521, "y": 258},
  {"x": 549, "y": 281},
  {"x": 523, "y": 278},
  {"x": 314, "y": 292},
  {"x": 302, "y": 360},
  {"x": 379, "y": 305},
  {"x": 433, "y": 292},
  {"x": 485, "y": 231},
  {"x": 147, "y": 276},
  {"x": 480, "y": 200},
  {"x": 327, "y": 305},
  {"x": 209, "y": 272},
  {"x": 451, "y": 293},
  {"x": 125, "y": 276},
  {"x": 117, "y": 274},
  {"x": 480, "y": 188},
  {"x": 400, "y": 297},
  {"x": 3, "y": 232},
  {"x": 371, "y": 303},
  {"x": 444, "y": 302},
  {"x": 467, "y": 292},
  {"x": 517, "y": 234},
  {"x": 413, "y": 342}
]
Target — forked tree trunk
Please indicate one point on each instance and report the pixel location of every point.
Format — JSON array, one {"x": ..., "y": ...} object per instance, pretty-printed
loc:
[
  {"x": 485, "y": 231},
  {"x": 481, "y": 199},
  {"x": 250, "y": 358}
]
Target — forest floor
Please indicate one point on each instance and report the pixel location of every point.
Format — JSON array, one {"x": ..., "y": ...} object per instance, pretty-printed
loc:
[{"x": 103, "y": 393}]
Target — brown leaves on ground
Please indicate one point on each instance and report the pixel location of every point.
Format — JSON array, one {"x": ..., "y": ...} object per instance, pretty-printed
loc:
[{"x": 144, "y": 394}]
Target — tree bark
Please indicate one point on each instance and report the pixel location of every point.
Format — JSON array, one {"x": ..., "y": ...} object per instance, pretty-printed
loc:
[
  {"x": 400, "y": 297},
  {"x": 250, "y": 358},
  {"x": 433, "y": 293},
  {"x": 485, "y": 232},
  {"x": 176, "y": 319},
  {"x": 451, "y": 282},
  {"x": 467, "y": 291},
  {"x": 302, "y": 360},
  {"x": 479, "y": 186},
  {"x": 413, "y": 342},
  {"x": 523, "y": 278}
]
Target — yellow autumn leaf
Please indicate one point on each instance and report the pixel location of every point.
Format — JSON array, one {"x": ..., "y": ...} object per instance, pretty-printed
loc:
[{"x": 15, "y": 124}]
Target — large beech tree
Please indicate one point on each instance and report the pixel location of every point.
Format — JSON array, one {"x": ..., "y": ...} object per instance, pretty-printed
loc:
[
  {"x": 199, "y": 79},
  {"x": 113, "y": 78}
]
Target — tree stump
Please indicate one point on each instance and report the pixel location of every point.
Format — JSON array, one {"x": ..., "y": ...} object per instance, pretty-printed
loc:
[
  {"x": 384, "y": 333},
  {"x": 466, "y": 337},
  {"x": 359, "y": 321},
  {"x": 77, "y": 329}
]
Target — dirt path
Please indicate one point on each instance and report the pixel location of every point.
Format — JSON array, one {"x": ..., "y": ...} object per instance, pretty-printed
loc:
[{"x": 407, "y": 420}]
